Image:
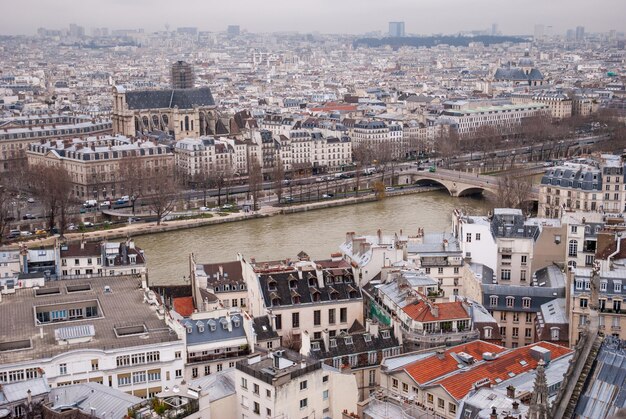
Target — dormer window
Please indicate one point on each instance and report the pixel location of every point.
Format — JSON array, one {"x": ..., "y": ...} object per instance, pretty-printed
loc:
[
  {"x": 312, "y": 282},
  {"x": 367, "y": 337},
  {"x": 295, "y": 299},
  {"x": 212, "y": 325},
  {"x": 224, "y": 323},
  {"x": 293, "y": 284},
  {"x": 236, "y": 321},
  {"x": 385, "y": 334},
  {"x": 348, "y": 340},
  {"x": 333, "y": 343},
  {"x": 242, "y": 287},
  {"x": 189, "y": 328},
  {"x": 338, "y": 279},
  {"x": 200, "y": 326},
  {"x": 317, "y": 296},
  {"x": 353, "y": 294},
  {"x": 271, "y": 284},
  {"x": 275, "y": 301},
  {"x": 315, "y": 346},
  {"x": 334, "y": 294}
]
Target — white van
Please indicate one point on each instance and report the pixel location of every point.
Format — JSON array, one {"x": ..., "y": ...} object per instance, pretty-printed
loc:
[{"x": 90, "y": 203}]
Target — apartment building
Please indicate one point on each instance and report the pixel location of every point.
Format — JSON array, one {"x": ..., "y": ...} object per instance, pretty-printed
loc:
[
  {"x": 17, "y": 133},
  {"x": 410, "y": 304},
  {"x": 376, "y": 134},
  {"x": 304, "y": 295},
  {"x": 516, "y": 307},
  {"x": 359, "y": 352},
  {"x": 221, "y": 282},
  {"x": 571, "y": 186},
  {"x": 286, "y": 383},
  {"x": 614, "y": 183},
  {"x": 467, "y": 119},
  {"x": 106, "y": 330},
  {"x": 561, "y": 106},
  {"x": 440, "y": 382},
  {"x": 92, "y": 259},
  {"x": 214, "y": 340},
  {"x": 94, "y": 164},
  {"x": 609, "y": 275}
]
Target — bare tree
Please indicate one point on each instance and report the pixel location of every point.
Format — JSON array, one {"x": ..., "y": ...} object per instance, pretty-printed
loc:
[
  {"x": 5, "y": 211},
  {"x": 362, "y": 156},
  {"x": 163, "y": 200},
  {"x": 134, "y": 178},
  {"x": 513, "y": 192},
  {"x": 53, "y": 185},
  {"x": 447, "y": 145},
  {"x": 255, "y": 182},
  {"x": 278, "y": 177},
  {"x": 204, "y": 182}
]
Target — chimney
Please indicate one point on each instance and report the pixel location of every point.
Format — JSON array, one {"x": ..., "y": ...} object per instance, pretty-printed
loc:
[
  {"x": 349, "y": 236},
  {"x": 82, "y": 242},
  {"x": 221, "y": 269},
  {"x": 515, "y": 406},
  {"x": 434, "y": 309},
  {"x": 374, "y": 329},
  {"x": 273, "y": 321},
  {"x": 29, "y": 397},
  {"x": 445, "y": 245},
  {"x": 229, "y": 322},
  {"x": 326, "y": 339},
  {"x": 510, "y": 392},
  {"x": 379, "y": 233},
  {"x": 441, "y": 354},
  {"x": 277, "y": 356},
  {"x": 494, "y": 414},
  {"x": 299, "y": 272}
]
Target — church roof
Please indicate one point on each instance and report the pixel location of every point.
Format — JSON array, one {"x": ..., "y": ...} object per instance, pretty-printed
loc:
[
  {"x": 169, "y": 98},
  {"x": 517, "y": 74}
]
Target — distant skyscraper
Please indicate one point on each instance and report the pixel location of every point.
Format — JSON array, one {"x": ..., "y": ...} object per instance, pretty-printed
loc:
[
  {"x": 580, "y": 33},
  {"x": 570, "y": 35},
  {"x": 187, "y": 30},
  {"x": 494, "y": 29},
  {"x": 396, "y": 29},
  {"x": 232, "y": 30},
  {"x": 182, "y": 75},
  {"x": 539, "y": 32}
]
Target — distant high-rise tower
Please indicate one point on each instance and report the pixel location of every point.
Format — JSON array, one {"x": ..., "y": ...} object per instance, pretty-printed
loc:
[
  {"x": 539, "y": 32},
  {"x": 396, "y": 29},
  {"x": 580, "y": 33},
  {"x": 182, "y": 75},
  {"x": 233, "y": 30},
  {"x": 494, "y": 29}
]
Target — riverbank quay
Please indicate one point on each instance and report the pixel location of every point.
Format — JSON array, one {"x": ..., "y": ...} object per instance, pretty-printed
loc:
[{"x": 140, "y": 229}]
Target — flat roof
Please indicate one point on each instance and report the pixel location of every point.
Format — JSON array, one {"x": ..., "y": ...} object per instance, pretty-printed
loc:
[{"x": 123, "y": 307}]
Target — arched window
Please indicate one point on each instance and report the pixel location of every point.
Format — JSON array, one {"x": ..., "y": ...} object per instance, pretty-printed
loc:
[
  {"x": 155, "y": 122},
  {"x": 137, "y": 124},
  {"x": 186, "y": 123},
  {"x": 146, "y": 122},
  {"x": 573, "y": 248},
  {"x": 192, "y": 124},
  {"x": 181, "y": 125}
]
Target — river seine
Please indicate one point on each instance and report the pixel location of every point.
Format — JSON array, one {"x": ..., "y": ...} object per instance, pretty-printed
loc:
[{"x": 318, "y": 232}]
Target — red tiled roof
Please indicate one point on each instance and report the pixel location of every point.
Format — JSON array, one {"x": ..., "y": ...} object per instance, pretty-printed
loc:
[
  {"x": 184, "y": 306},
  {"x": 458, "y": 385},
  {"x": 334, "y": 107},
  {"x": 430, "y": 368},
  {"x": 447, "y": 311}
]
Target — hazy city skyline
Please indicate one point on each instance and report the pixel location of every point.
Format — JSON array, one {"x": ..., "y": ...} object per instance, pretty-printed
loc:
[{"x": 346, "y": 16}]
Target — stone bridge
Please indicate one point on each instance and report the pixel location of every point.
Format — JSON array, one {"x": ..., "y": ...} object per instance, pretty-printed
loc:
[{"x": 456, "y": 183}]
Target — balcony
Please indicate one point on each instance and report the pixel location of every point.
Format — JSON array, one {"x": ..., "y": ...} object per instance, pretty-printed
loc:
[
  {"x": 218, "y": 357},
  {"x": 616, "y": 328},
  {"x": 440, "y": 337},
  {"x": 505, "y": 250}
]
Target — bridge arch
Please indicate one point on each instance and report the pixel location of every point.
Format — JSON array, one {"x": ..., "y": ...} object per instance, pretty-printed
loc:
[
  {"x": 432, "y": 182},
  {"x": 472, "y": 190}
]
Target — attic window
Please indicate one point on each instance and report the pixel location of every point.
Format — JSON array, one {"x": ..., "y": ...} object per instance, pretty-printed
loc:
[
  {"x": 348, "y": 340},
  {"x": 293, "y": 284},
  {"x": 317, "y": 296},
  {"x": 189, "y": 328},
  {"x": 312, "y": 282},
  {"x": 200, "y": 326},
  {"x": 367, "y": 337},
  {"x": 212, "y": 325},
  {"x": 385, "y": 334},
  {"x": 315, "y": 346},
  {"x": 236, "y": 321},
  {"x": 271, "y": 284},
  {"x": 333, "y": 343},
  {"x": 224, "y": 323}
]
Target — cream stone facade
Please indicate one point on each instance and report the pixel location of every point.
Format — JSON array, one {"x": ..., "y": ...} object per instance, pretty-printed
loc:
[{"x": 94, "y": 163}]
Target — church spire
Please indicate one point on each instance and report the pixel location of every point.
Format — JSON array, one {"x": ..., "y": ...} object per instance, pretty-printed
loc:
[{"x": 538, "y": 408}]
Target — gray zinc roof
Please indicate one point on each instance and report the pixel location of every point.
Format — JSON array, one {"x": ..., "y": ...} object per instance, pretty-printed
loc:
[
  {"x": 201, "y": 330},
  {"x": 105, "y": 400},
  {"x": 170, "y": 98}
]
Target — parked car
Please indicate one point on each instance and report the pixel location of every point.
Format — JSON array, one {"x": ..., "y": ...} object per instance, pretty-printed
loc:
[
  {"x": 25, "y": 233},
  {"x": 327, "y": 196},
  {"x": 14, "y": 233},
  {"x": 105, "y": 204},
  {"x": 72, "y": 227},
  {"x": 90, "y": 203},
  {"x": 88, "y": 224},
  {"x": 390, "y": 188},
  {"x": 204, "y": 209},
  {"x": 28, "y": 217},
  {"x": 31, "y": 200},
  {"x": 40, "y": 232}
]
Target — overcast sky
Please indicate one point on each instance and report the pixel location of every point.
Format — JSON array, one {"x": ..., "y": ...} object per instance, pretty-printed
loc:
[{"x": 326, "y": 16}]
